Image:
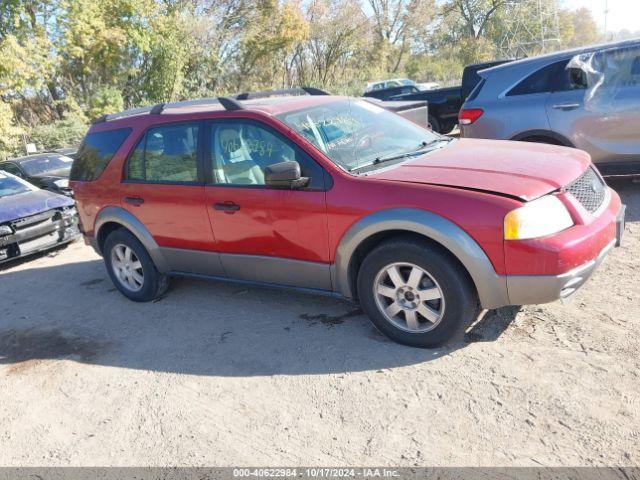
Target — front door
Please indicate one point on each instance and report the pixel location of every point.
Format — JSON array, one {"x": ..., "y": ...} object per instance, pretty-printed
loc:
[
  {"x": 164, "y": 189},
  {"x": 262, "y": 233},
  {"x": 598, "y": 110}
]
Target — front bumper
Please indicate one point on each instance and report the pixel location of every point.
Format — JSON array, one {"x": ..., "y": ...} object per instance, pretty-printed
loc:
[
  {"x": 536, "y": 289},
  {"x": 38, "y": 233}
]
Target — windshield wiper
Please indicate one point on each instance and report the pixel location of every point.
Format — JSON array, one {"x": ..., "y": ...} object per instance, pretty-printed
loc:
[{"x": 422, "y": 148}]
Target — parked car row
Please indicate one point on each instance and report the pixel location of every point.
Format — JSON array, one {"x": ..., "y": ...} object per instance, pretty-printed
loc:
[
  {"x": 37, "y": 210},
  {"x": 32, "y": 219},
  {"x": 587, "y": 98},
  {"x": 49, "y": 171},
  {"x": 444, "y": 103},
  {"x": 399, "y": 82}
]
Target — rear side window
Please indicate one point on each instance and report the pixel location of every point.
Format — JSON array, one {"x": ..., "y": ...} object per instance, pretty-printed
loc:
[
  {"x": 555, "y": 77},
  {"x": 166, "y": 154},
  {"x": 96, "y": 152}
]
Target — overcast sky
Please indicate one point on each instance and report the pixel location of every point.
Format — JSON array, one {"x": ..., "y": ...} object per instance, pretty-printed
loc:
[{"x": 622, "y": 13}]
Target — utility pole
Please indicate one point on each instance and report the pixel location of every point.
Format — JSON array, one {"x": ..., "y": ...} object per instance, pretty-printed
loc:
[{"x": 606, "y": 12}]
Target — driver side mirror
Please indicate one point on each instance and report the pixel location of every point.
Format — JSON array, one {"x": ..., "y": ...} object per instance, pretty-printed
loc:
[{"x": 285, "y": 175}]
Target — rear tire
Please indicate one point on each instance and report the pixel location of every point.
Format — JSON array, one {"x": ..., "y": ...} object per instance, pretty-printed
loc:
[
  {"x": 131, "y": 269},
  {"x": 428, "y": 292},
  {"x": 447, "y": 128}
]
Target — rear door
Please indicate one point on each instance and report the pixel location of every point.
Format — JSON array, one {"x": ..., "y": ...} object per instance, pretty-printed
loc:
[
  {"x": 522, "y": 108},
  {"x": 263, "y": 233},
  {"x": 163, "y": 187}
]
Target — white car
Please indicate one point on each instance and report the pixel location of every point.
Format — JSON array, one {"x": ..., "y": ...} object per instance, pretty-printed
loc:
[{"x": 399, "y": 82}]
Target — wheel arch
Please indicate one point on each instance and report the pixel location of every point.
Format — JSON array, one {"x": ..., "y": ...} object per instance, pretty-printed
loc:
[
  {"x": 540, "y": 133},
  {"x": 377, "y": 227},
  {"x": 112, "y": 218}
]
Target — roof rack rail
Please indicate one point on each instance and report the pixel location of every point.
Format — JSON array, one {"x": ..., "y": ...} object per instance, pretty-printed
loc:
[
  {"x": 229, "y": 103},
  {"x": 126, "y": 113},
  {"x": 156, "y": 109},
  {"x": 275, "y": 93}
]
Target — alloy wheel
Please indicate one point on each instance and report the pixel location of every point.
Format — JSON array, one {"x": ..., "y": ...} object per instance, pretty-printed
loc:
[
  {"x": 127, "y": 267},
  {"x": 409, "y": 297}
]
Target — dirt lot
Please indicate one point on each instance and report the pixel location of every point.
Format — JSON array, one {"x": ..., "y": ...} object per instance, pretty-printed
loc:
[{"x": 220, "y": 374}]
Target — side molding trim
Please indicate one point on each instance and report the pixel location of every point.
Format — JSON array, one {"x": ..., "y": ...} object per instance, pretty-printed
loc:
[
  {"x": 277, "y": 270},
  {"x": 491, "y": 287}
]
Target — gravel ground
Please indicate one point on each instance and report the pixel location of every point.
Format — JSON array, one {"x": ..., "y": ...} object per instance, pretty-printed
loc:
[{"x": 225, "y": 375}]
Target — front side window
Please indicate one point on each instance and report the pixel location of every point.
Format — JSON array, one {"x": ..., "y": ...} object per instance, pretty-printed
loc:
[
  {"x": 96, "y": 152},
  {"x": 242, "y": 150},
  {"x": 354, "y": 133},
  {"x": 11, "y": 168},
  {"x": 166, "y": 154}
]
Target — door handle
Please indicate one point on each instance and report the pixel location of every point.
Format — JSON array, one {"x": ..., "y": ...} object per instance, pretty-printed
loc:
[
  {"x": 135, "y": 201},
  {"x": 227, "y": 207},
  {"x": 566, "y": 106}
]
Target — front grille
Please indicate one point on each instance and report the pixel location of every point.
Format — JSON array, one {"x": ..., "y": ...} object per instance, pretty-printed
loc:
[
  {"x": 589, "y": 189},
  {"x": 34, "y": 219}
]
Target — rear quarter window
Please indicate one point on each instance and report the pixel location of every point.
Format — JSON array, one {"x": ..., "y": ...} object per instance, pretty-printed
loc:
[
  {"x": 96, "y": 152},
  {"x": 476, "y": 90}
]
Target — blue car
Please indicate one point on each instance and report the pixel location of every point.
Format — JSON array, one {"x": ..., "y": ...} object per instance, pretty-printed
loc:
[{"x": 31, "y": 219}]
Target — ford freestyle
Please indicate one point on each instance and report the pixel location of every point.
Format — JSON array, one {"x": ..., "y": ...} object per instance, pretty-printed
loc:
[{"x": 336, "y": 194}]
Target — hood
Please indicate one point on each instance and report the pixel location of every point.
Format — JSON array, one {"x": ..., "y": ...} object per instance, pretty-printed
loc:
[
  {"x": 30, "y": 203},
  {"x": 516, "y": 169}
]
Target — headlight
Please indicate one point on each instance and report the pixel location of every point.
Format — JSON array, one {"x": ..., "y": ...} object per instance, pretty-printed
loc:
[
  {"x": 5, "y": 230},
  {"x": 62, "y": 183},
  {"x": 69, "y": 212},
  {"x": 538, "y": 218}
]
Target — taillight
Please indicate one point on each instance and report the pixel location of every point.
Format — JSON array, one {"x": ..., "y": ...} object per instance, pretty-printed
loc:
[{"x": 469, "y": 115}]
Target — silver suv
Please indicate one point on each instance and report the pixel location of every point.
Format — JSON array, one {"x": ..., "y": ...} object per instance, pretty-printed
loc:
[{"x": 587, "y": 98}]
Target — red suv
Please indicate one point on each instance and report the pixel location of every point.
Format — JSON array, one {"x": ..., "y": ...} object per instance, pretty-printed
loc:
[{"x": 337, "y": 194}]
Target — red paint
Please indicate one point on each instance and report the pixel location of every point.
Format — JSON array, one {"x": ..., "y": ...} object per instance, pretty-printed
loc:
[
  {"x": 566, "y": 250},
  {"x": 512, "y": 168},
  {"x": 458, "y": 182},
  {"x": 175, "y": 215}
]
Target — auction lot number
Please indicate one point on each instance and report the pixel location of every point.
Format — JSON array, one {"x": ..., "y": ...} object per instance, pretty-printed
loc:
[{"x": 315, "y": 472}]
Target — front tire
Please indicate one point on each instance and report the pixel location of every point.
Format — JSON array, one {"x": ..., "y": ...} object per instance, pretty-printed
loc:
[
  {"x": 131, "y": 268},
  {"x": 416, "y": 293}
]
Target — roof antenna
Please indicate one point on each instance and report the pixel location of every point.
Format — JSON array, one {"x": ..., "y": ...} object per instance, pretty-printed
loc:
[{"x": 230, "y": 104}]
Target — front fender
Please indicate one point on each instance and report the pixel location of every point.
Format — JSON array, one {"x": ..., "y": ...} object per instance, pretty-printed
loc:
[
  {"x": 130, "y": 222},
  {"x": 491, "y": 287}
]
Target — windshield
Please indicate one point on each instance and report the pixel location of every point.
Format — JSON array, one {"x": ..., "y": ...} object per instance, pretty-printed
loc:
[
  {"x": 46, "y": 163},
  {"x": 406, "y": 81},
  {"x": 12, "y": 186},
  {"x": 353, "y": 133}
]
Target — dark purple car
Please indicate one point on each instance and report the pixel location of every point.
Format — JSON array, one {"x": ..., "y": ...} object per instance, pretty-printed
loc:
[{"x": 31, "y": 219}]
